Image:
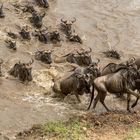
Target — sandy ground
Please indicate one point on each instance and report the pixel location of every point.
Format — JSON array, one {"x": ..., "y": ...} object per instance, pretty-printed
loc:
[{"x": 98, "y": 21}]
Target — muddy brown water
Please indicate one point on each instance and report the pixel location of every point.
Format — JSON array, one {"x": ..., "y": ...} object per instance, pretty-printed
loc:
[{"x": 100, "y": 23}]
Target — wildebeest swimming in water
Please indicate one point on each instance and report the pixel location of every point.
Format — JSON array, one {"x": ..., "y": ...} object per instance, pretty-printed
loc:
[
  {"x": 23, "y": 71},
  {"x": 66, "y": 26},
  {"x": 46, "y": 37},
  {"x": 82, "y": 59},
  {"x": 44, "y": 56},
  {"x": 25, "y": 33},
  {"x": 122, "y": 81},
  {"x": 1, "y": 61},
  {"x": 1, "y": 12},
  {"x": 11, "y": 44},
  {"x": 36, "y": 19},
  {"x": 73, "y": 37},
  {"x": 112, "y": 54},
  {"x": 43, "y": 3}
]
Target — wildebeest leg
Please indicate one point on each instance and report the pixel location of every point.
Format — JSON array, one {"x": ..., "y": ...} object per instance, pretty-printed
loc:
[
  {"x": 77, "y": 96},
  {"x": 102, "y": 98},
  {"x": 128, "y": 102},
  {"x": 96, "y": 100},
  {"x": 133, "y": 93},
  {"x": 135, "y": 103}
]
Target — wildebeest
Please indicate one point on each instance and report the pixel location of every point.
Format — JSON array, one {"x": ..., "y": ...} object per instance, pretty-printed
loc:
[
  {"x": 74, "y": 38},
  {"x": 1, "y": 12},
  {"x": 75, "y": 84},
  {"x": 112, "y": 54},
  {"x": 25, "y": 33},
  {"x": 46, "y": 37},
  {"x": 44, "y": 56},
  {"x": 43, "y": 3},
  {"x": 12, "y": 35},
  {"x": 1, "y": 61},
  {"x": 36, "y": 19},
  {"x": 82, "y": 59},
  {"x": 66, "y": 26},
  {"x": 77, "y": 81},
  {"x": 54, "y": 36},
  {"x": 11, "y": 44},
  {"x": 122, "y": 81},
  {"x": 23, "y": 71}
]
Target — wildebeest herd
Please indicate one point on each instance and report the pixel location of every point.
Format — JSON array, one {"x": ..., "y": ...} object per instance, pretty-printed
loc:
[{"x": 114, "y": 78}]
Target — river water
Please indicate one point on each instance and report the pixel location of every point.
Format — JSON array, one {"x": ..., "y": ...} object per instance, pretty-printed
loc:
[{"x": 102, "y": 24}]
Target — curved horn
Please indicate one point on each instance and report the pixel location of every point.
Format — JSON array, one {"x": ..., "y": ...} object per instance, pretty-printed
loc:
[
  {"x": 90, "y": 50},
  {"x": 64, "y": 21},
  {"x": 79, "y": 53},
  {"x": 74, "y": 20},
  {"x": 132, "y": 58},
  {"x": 67, "y": 55}
]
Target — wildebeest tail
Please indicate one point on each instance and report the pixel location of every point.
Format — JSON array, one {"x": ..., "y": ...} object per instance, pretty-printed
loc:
[{"x": 92, "y": 97}]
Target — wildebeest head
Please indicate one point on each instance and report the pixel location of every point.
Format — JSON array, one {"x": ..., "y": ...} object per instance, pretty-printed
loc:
[
  {"x": 131, "y": 62},
  {"x": 23, "y": 71},
  {"x": 84, "y": 58},
  {"x": 44, "y": 56},
  {"x": 25, "y": 33},
  {"x": 27, "y": 70},
  {"x": 74, "y": 38},
  {"x": 43, "y": 3},
  {"x": 67, "y": 25},
  {"x": 1, "y": 12},
  {"x": 36, "y": 19},
  {"x": 83, "y": 83},
  {"x": 55, "y": 36},
  {"x": 112, "y": 54},
  {"x": 42, "y": 36},
  {"x": 11, "y": 44}
]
